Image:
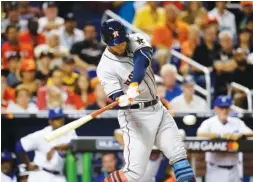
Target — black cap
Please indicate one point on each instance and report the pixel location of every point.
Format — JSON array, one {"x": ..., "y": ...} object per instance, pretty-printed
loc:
[
  {"x": 188, "y": 80},
  {"x": 49, "y": 4},
  {"x": 68, "y": 60},
  {"x": 13, "y": 55},
  {"x": 245, "y": 30},
  {"x": 70, "y": 17},
  {"x": 46, "y": 54}
]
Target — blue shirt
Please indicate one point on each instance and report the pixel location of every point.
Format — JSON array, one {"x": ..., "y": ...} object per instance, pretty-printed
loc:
[{"x": 171, "y": 94}]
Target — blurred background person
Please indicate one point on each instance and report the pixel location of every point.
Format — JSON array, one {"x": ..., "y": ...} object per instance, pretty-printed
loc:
[
  {"x": 23, "y": 103},
  {"x": 83, "y": 94},
  {"x": 148, "y": 17},
  {"x": 68, "y": 33},
  {"x": 109, "y": 164},
  {"x": 53, "y": 45},
  {"x": 7, "y": 93},
  {"x": 224, "y": 63},
  {"x": 32, "y": 37},
  {"x": 222, "y": 126},
  {"x": 188, "y": 101},
  {"x": 168, "y": 73},
  {"x": 189, "y": 14},
  {"x": 13, "y": 18},
  {"x": 244, "y": 15},
  {"x": 245, "y": 40},
  {"x": 225, "y": 18},
  {"x": 8, "y": 173},
  {"x": 51, "y": 20},
  {"x": 43, "y": 66},
  {"x": 87, "y": 53},
  {"x": 13, "y": 68},
  {"x": 28, "y": 76}
]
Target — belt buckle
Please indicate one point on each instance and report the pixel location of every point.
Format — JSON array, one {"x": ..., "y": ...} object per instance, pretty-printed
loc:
[{"x": 141, "y": 105}]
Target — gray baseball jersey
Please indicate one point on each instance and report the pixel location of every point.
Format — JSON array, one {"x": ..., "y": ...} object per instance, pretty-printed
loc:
[
  {"x": 116, "y": 72},
  {"x": 142, "y": 128}
]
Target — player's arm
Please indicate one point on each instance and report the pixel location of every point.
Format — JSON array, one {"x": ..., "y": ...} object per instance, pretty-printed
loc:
[{"x": 204, "y": 131}]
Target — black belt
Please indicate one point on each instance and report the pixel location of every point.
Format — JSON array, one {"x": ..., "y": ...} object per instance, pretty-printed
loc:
[
  {"x": 142, "y": 105},
  {"x": 51, "y": 171},
  {"x": 223, "y": 167}
]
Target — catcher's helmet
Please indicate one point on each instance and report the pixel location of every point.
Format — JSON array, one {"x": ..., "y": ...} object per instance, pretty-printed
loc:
[{"x": 113, "y": 32}]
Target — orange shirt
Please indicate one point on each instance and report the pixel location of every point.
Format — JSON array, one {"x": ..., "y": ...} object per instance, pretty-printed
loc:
[
  {"x": 76, "y": 100},
  {"x": 6, "y": 50},
  {"x": 187, "y": 49},
  {"x": 164, "y": 36},
  {"x": 171, "y": 179},
  {"x": 26, "y": 37},
  {"x": 9, "y": 95}
]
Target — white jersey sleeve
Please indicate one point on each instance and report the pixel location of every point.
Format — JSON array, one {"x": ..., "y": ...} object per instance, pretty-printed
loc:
[
  {"x": 243, "y": 128},
  {"x": 138, "y": 41},
  {"x": 30, "y": 142},
  {"x": 108, "y": 80},
  {"x": 204, "y": 127}
]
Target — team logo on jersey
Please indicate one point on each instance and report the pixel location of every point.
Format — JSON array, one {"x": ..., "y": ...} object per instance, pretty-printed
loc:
[
  {"x": 115, "y": 34},
  {"x": 129, "y": 79}
]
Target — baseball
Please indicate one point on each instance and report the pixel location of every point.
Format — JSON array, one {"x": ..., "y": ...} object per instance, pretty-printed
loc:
[{"x": 189, "y": 119}]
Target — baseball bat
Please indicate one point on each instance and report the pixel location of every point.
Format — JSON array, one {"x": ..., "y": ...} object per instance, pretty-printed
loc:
[{"x": 77, "y": 123}]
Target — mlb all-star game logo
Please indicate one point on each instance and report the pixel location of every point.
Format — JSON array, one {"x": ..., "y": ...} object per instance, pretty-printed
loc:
[{"x": 221, "y": 146}]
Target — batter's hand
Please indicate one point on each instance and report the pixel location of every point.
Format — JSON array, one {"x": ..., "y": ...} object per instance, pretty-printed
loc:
[
  {"x": 133, "y": 90},
  {"x": 32, "y": 167},
  {"x": 124, "y": 101}
]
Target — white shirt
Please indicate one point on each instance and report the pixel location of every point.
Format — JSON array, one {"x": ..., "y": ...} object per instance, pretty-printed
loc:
[
  {"x": 196, "y": 105},
  {"x": 36, "y": 142},
  {"x": 226, "y": 21},
  {"x": 5, "y": 178},
  {"x": 68, "y": 40},
  {"x": 213, "y": 125},
  {"x": 22, "y": 24},
  {"x": 15, "y": 108},
  {"x": 43, "y": 21}
]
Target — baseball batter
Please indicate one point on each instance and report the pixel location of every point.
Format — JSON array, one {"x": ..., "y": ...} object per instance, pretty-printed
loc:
[
  {"x": 221, "y": 126},
  {"x": 49, "y": 159},
  {"x": 126, "y": 75}
]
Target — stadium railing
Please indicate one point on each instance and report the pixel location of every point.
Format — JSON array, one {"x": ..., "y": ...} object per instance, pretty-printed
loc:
[{"x": 246, "y": 91}]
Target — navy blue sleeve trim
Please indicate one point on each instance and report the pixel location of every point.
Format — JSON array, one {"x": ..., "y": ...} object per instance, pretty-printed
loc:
[
  {"x": 115, "y": 95},
  {"x": 142, "y": 59},
  {"x": 19, "y": 148}
]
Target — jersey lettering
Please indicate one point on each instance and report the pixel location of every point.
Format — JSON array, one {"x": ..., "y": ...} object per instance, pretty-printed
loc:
[{"x": 130, "y": 77}]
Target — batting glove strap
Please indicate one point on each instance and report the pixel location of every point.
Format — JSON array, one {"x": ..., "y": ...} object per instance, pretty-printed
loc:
[{"x": 124, "y": 101}]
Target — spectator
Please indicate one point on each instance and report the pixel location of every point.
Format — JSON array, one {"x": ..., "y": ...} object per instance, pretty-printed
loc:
[
  {"x": 10, "y": 46},
  {"x": 171, "y": 174},
  {"x": 169, "y": 34},
  {"x": 25, "y": 10},
  {"x": 225, "y": 18},
  {"x": 7, "y": 167},
  {"x": 44, "y": 71},
  {"x": 224, "y": 63},
  {"x": 168, "y": 73},
  {"x": 31, "y": 37},
  {"x": 83, "y": 94},
  {"x": 244, "y": 15},
  {"x": 242, "y": 75},
  {"x": 101, "y": 99},
  {"x": 69, "y": 76},
  {"x": 207, "y": 52},
  {"x": 109, "y": 164},
  {"x": 245, "y": 40},
  {"x": 22, "y": 103},
  {"x": 7, "y": 93},
  {"x": 188, "y": 101},
  {"x": 13, "y": 18},
  {"x": 13, "y": 64},
  {"x": 172, "y": 30},
  {"x": 69, "y": 34},
  {"x": 188, "y": 47},
  {"x": 53, "y": 45},
  {"x": 149, "y": 17},
  {"x": 55, "y": 94},
  {"x": 50, "y": 21},
  {"x": 189, "y": 15},
  {"x": 28, "y": 76},
  {"x": 87, "y": 53},
  {"x": 201, "y": 20}
]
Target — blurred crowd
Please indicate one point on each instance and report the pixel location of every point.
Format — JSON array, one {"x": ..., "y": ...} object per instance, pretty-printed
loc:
[{"x": 47, "y": 61}]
